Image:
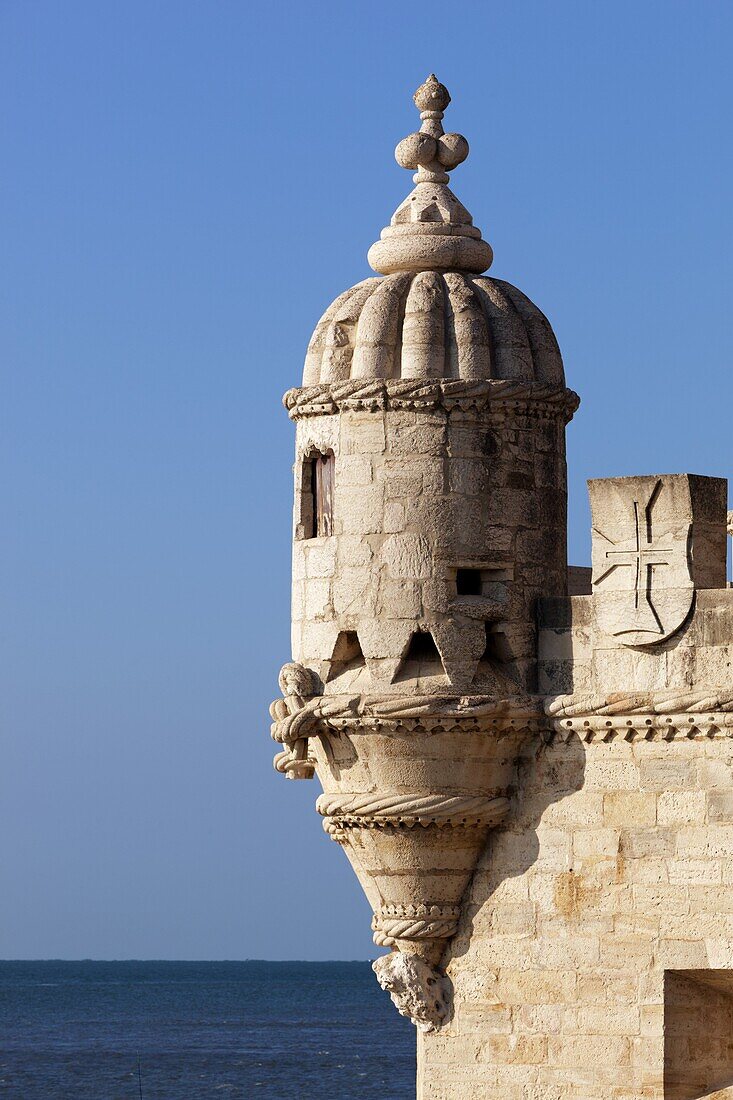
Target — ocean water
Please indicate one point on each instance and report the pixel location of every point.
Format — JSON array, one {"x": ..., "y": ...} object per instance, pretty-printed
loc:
[{"x": 260, "y": 1030}]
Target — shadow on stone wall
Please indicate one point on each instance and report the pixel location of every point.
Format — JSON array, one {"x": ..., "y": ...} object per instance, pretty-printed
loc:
[
  {"x": 546, "y": 774},
  {"x": 698, "y": 1034}
]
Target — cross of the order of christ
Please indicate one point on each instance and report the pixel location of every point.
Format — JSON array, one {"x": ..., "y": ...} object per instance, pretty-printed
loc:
[{"x": 642, "y": 554}]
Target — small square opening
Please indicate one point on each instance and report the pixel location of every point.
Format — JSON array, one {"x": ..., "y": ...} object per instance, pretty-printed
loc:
[{"x": 468, "y": 582}]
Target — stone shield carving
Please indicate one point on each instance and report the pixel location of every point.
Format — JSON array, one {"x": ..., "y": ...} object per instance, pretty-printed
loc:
[{"x": 642, "y": 556}]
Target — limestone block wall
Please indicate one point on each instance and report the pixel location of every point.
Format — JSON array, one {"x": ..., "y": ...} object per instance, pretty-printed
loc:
[
  {"x": 576, "y": 656},
  {"x": 418, "y": 496},
  {"x": 698, "y": 1033},
  {"x": 602, "y": 904}
]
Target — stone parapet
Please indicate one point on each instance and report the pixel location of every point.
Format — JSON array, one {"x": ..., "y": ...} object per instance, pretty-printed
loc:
[{"x": 575, "y": 655}]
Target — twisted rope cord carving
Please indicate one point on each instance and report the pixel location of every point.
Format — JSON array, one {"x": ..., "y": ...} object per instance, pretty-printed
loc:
[
  {"x": 387, "y": 706},
  {"x": 298, "y": 714},
  {"x": 374, "y": 394},
  {"x": 290, "y": 726},
  {"x": 294, "y": 712},
  {"x": 673, "y": 701},
  {"x": 395, "y": 706},
  {"x": 414, "y": 922},
  {"x": 294, "y": 765},
  {"x": 409, "y": 808},
  {"x": 414, "y": 930}
]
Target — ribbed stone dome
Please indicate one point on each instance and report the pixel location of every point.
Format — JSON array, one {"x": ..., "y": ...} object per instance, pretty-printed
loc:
[{"x": 433, "y": 324}]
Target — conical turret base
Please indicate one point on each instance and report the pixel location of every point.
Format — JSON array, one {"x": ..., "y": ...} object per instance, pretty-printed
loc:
[{"x": 412, "y": 806}]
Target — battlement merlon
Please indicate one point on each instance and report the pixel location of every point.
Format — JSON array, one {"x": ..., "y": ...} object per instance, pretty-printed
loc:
[{"x": 658, "y": 616}]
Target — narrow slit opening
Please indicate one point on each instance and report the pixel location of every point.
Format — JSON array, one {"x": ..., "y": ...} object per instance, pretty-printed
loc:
[
  {"x": 318, "y": 485},
  {"x": 496, "y": 649}
]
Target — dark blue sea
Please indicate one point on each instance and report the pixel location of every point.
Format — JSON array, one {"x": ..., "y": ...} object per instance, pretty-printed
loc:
[{"x": 260, "y": 1030}]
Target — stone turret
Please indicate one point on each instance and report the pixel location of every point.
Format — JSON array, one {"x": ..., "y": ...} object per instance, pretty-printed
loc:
[
  {"x": 430, "y": 517},
  {"x": 441, "y": 396}
]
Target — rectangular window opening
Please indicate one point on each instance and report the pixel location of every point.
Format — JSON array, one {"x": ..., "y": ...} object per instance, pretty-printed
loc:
[
  {"x": 469, "y": 582},
  {"x": 321, "y": 479}
]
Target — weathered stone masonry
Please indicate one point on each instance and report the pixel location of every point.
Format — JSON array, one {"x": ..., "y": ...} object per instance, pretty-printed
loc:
[{"x": 531, "y": 778}]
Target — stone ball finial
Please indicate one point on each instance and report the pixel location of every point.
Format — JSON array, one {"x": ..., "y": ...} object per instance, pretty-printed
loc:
[
  {"x": 431, "y": 151},
  {"x": 431, "y": 230}
]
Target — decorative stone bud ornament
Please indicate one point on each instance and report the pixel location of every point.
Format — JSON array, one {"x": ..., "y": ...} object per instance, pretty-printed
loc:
[{"x": 431, "y": 230}]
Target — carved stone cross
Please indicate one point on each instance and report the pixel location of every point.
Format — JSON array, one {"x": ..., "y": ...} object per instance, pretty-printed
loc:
[
  {"x": 643, "y": 555},
  {"x": 655, "y": 539}
]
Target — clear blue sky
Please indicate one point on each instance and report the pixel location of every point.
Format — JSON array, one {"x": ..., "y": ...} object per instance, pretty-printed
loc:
[{"x": 185, "y": 188}]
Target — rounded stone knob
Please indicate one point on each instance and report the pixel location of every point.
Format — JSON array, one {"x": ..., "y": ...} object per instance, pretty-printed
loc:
[{"x": 452, "y": 150}]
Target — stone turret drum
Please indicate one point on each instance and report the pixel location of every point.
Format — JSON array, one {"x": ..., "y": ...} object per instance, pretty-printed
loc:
[{"x": 430, "y": 517}]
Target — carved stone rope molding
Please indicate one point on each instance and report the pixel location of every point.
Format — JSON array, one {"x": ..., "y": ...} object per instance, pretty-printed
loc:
[
  {"x": 671, "y": 701},
  {"x": 371, "y": 811},
  {"x": 375, "y": 395},
  {"x": 414, "y": 922},
  {"x": 659, "y": 715},
  {"x": 465, "y": 706},
  {"x": 365, "y": 715},
  {"x": 302, "y": 713},
  {"x": 385, "y": 827}
]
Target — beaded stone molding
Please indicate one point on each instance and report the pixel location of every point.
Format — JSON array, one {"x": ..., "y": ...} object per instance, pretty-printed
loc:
[
  {"x": 633, "y": 715},
  {"x": 668, "y": 713},
  {"x": 303, "y": 712},
  {"x": 638, "y": 716},
  {"x": 674, "y": 712}
]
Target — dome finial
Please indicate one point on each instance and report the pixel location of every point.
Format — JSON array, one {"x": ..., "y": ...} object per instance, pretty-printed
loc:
[
  {"x": 430, "y": 150},
  {"x": 431, "y": 230}
]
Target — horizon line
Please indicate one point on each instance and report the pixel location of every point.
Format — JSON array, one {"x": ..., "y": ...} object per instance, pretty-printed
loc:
[{"x": 87, "y": 959}]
